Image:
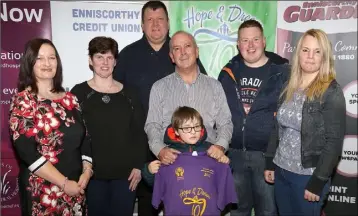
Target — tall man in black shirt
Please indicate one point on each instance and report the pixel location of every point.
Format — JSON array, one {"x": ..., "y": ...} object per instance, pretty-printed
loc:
[{"x": 142, "y": 63}]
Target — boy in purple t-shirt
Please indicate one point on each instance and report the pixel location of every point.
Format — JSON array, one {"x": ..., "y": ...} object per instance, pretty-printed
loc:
[{"x": 195, "y": 184}]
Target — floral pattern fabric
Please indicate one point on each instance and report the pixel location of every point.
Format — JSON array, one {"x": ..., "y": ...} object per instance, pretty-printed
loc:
[{"x": 48, "y": 130}]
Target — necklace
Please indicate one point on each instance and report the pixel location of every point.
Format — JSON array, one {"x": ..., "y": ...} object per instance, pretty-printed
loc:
[{"x": 105, "y": 98}]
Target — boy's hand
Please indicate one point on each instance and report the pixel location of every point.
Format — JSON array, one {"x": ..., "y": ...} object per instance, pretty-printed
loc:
[
  {"x": 224, "y": 159},
  {"x": 153, "y": 166}
]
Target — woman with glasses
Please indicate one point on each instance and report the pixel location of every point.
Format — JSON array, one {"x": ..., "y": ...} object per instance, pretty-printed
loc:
[{"x": 115, "y": 123}]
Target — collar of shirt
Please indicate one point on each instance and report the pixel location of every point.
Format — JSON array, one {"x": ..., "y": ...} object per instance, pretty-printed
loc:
[
  {"x": 163, "y": 49},
  {"x": 197, "y": 77}
]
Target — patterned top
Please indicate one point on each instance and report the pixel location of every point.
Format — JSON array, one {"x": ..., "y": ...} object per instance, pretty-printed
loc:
[
  {"x": 52, "y": 131},
  {"x": 205, "y": 94},
  {"x": 289, "y": 117}
]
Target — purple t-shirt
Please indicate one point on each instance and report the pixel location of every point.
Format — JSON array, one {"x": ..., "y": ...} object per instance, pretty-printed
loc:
[{"x": 194, "y": 185}]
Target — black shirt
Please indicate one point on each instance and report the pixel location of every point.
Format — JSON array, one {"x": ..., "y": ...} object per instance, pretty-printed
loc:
[{"x": 116, "y": 129}]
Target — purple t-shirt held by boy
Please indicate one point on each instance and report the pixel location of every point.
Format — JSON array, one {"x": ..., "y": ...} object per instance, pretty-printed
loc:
[{"x": 194, "y": 185}]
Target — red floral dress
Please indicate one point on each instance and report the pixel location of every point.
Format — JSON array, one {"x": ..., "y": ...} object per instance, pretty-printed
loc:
[{"x": 48, "y": 130}]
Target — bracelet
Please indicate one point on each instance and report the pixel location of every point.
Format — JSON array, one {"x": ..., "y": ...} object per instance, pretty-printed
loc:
[
  {"x": 87, "y": 168},
  {"x": 64, "y": 184}
]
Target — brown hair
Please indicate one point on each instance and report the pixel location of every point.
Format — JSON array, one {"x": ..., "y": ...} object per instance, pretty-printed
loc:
[
  {"x": 183, "y": 114},
  {"x": 28, "y": 60},
  {"x": 102, "y": 45},
  {"x": 154, "y": 5},
  {"x": 250, "y": 23}
]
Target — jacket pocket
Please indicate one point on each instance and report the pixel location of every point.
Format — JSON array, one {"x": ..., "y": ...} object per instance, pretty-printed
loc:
[{"x": 315, "y": 113}]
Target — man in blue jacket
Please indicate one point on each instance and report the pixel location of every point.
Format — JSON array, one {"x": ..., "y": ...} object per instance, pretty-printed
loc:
[{"x": 252, "y": 82}]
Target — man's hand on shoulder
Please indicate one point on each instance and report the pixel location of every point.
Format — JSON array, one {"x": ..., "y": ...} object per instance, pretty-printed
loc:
[
  {"x": 168, "y": 155},
  {"x": 216, "y": 151}
]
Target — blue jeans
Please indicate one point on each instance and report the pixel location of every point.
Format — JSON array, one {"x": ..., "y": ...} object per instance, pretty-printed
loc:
[
  {"x": 251, "y": 188},
  {"x": 110, "y": 198},
  {"x": 289, "y": 194}
]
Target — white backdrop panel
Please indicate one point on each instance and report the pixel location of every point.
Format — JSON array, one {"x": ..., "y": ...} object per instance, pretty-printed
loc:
[{"x": 74, "y": 24}]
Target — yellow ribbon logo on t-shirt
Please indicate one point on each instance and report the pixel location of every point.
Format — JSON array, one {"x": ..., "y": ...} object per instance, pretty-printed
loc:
[{"x": 199, "y": 205}]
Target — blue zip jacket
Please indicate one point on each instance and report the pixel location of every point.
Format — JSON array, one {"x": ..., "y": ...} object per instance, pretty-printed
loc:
[{"x": 252, "y": 131}]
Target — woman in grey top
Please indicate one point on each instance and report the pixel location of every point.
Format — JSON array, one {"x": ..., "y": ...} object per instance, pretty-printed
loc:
[{"x": 308, "y": 135}]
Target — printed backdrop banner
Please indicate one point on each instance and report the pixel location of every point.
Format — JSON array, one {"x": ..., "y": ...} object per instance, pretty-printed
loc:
[
  {"x": 339, "y": 20},
  {"x": 214, "y": 25},
  {"x": 20, "y": 21},
  {"x": 74, "y": 24}
]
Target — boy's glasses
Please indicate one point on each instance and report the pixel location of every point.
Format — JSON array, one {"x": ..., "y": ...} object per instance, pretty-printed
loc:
[{"x": 189, "y": 129}]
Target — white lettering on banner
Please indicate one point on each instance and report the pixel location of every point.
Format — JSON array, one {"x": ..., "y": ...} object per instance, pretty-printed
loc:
[
  {"x": 335, "y": 196},
  {"x": 237, "y": 14},
  {"x": 342, "y": 199},
  {"x": 17, "y": 14},
  {"x": 10, "y": 206},
  {"x": 338, "y": 189},
  {"x": 7, "y": 91},
  {"x": 10, "y": 55},
  {"x": 9, "y": 188},
  {"x": 340, "y": 47},
  {"x": 6, "y": 65},
  {"x": 287, "y": 48}
]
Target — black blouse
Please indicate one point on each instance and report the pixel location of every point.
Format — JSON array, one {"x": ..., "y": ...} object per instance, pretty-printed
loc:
[{"x": 116, "y": 129}]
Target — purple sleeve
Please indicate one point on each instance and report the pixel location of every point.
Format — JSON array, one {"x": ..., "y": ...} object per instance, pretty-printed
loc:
[
  {"x": 158, "y": 189},
  {"x": 226, "y": 187}
]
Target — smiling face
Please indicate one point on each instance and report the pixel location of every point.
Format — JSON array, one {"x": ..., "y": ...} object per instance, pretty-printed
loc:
[
  {"x": 155, "y": 25},
  {"x": 184, "y": 51},
  {"x": 46, "y": 63},
  {"x": 103, "y": 64},
  {"x": 251, "y": 44},
  {"x": 190, "y": 131},
  {"x": 310, "y": 56}
]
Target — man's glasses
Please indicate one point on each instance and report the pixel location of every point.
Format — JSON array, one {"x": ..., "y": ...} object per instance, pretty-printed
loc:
[{"x": 189, "y": 129}]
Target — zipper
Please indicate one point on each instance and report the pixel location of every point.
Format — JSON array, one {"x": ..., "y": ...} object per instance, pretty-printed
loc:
[
  {"x": 243, "y": 134},
  {"x": 241, "y": 105},
  {"x": 243, "y": 110}
]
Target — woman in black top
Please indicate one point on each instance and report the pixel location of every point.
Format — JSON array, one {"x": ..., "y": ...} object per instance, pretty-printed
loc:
[{"x": 115, "y": 123}]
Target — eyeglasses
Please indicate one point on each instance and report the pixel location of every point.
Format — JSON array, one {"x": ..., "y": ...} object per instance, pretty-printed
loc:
[{"x": 189, "y": 129}]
